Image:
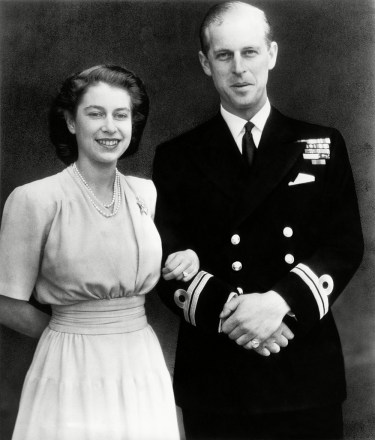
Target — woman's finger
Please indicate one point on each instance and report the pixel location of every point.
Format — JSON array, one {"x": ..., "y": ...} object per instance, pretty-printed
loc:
[{"x": 189, "y": 273}]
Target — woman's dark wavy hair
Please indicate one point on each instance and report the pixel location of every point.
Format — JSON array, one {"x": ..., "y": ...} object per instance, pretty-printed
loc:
[{"x": 70, "y": 95}]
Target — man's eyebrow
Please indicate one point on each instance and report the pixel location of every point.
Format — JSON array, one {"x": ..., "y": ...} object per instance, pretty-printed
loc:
[{"x": 220, "y": 50}]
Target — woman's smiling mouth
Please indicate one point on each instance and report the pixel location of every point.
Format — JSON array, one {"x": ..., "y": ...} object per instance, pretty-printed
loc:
[{"x": 108, "y": 143}]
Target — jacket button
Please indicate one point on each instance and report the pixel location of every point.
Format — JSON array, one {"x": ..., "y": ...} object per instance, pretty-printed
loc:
[
  {"x": 235, "y": 239},
  {"x": 236, "y": 266},
  {"x": 289, "y": 258},
  {"x": 288, "y": 232}
]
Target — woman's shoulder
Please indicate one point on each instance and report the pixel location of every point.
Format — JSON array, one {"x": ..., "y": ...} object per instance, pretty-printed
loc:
[
  {"x": 141, "y": 185},
  {"x": 40, "y": 192}
]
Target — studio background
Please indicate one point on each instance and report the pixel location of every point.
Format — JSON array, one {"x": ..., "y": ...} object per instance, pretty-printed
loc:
[{"x": 324, "y": 74}]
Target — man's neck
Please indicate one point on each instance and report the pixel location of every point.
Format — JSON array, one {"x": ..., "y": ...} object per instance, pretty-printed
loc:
[{"x": 247, "y": 113}]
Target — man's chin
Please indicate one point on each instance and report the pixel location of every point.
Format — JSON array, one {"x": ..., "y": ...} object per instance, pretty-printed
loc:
[{"x": 244, "y": 104}]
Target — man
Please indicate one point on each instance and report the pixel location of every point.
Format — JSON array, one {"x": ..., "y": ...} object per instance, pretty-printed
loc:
[{"x": 276, "y": 229}]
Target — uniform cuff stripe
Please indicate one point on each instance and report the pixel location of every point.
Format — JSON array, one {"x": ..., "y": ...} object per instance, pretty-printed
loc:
[
  {"x": 195, "y": 295},
  {"x": 190, "y": 296},
  {"x": 317, "y": 281},
  {"x": 309, "y": 277}
]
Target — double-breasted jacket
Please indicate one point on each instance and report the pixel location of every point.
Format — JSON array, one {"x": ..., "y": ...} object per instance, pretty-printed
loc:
[{"x": 289, "y": 224}]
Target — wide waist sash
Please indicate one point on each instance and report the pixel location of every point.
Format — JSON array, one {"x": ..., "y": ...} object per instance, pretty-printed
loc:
[{"x": 99, "y": 317}]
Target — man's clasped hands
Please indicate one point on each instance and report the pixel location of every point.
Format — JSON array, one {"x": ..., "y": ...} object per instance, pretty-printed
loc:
[{"x": 254, "y": 321}]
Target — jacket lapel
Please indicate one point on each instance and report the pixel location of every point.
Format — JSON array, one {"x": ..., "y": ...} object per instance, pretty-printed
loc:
[
  {"x": 277, "y": 153},
  {"x": 217, "y": 154}
]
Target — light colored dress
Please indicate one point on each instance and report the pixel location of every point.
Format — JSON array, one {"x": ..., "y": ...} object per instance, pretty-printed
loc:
[{"x": 98, "y": 372}]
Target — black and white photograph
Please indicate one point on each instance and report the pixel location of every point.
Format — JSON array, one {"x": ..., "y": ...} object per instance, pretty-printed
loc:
[{"x": 187, "y": 241}]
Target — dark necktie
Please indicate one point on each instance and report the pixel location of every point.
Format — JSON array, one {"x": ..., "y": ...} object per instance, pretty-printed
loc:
[{"x": 248, "y": 146}]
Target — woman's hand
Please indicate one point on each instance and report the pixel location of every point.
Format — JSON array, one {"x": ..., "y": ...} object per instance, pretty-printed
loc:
[{"x": 181, "y": 265}]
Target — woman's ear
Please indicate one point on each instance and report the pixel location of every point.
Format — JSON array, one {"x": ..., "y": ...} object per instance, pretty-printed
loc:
[{"x": 70, "y": 122}]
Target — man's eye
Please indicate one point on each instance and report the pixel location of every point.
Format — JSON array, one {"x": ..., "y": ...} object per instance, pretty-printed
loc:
[
  {"x": 223, "y": 56},
  {"x": 250, "y": 52}
]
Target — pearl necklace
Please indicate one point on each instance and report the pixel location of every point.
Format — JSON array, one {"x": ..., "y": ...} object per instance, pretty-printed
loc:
[{"x": 116, "y": 198}]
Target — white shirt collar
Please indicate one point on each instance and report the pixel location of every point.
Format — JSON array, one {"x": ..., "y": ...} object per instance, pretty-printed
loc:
[{"x": 236, "y": 124}]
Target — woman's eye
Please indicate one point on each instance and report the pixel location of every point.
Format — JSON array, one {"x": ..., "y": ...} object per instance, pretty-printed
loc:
[
  {"x": 121, "y": 116},
  {"x": 95, "y": 114}
]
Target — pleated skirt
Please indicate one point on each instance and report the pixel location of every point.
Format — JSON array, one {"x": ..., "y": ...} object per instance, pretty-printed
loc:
[{"x": 98, "y": 374}]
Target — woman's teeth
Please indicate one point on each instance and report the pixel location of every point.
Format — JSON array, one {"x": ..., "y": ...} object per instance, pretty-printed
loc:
[{"x": 108, "y": 142}]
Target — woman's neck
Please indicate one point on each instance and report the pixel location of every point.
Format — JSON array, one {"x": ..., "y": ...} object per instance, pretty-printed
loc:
[{"x": 100, "y": 177}]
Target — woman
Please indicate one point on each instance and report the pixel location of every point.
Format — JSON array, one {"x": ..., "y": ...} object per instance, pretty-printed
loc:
[{"x": 85, "y": 239}]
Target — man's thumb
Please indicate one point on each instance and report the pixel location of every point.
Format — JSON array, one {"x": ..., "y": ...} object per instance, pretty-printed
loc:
[{"x": 229, "y": 308}]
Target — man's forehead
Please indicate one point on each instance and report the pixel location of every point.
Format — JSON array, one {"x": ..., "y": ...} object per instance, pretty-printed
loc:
[
  {"x": 238, "y": 20},
  {"x": 240, "y": 31},
  {"x": 240, "y": 13}
]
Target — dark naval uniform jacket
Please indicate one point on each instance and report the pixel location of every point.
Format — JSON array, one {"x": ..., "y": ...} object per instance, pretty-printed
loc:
[{"x": 289, "y": 224}]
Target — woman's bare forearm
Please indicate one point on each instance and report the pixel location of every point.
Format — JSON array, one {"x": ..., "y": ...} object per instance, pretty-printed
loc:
[{"x": 22, "y": 317}]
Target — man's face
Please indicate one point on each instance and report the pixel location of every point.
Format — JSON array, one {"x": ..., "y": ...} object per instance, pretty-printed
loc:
[{"x": 238, "y": 60}]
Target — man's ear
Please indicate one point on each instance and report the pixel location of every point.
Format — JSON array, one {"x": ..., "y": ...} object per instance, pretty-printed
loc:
[
  {"x": 205, "y": 63},
  {"x": 70, "y": 122},
  {"x": 272, "y": 53}
]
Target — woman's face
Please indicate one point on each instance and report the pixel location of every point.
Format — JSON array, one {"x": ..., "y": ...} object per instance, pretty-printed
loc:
[{"x": 103, "y": 123}]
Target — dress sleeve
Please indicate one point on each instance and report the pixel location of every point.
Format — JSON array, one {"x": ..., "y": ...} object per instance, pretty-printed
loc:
[{"x": 23, "y": 232}]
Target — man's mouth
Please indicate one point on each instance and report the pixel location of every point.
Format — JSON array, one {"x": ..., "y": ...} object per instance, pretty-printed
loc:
[{"x": 241, "y": 85}]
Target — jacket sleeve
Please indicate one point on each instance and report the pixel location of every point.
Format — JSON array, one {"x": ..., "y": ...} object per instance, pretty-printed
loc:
[
  {"x": 201, "y": 300},
  {"x": 313, "y": 284}
]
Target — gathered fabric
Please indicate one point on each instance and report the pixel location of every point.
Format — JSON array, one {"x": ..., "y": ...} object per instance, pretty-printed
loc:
[
  {"x": 119, "y": 315},
  {"x": 98, "y": 373}
]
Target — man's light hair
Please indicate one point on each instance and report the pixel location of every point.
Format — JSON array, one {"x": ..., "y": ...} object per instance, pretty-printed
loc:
[{"x": 215, "y": 15}]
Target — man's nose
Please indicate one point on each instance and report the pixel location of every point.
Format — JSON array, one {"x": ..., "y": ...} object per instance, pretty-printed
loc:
[{"x": 238, "y": 65}]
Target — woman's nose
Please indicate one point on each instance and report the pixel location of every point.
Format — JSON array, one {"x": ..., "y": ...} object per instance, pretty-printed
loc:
[{"x": 109, "y": 125}]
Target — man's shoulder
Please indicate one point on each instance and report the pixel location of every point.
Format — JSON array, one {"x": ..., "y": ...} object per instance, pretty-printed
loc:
[
  {"x": 301, "y": 129},
  {"x": 192, "y": 136}
]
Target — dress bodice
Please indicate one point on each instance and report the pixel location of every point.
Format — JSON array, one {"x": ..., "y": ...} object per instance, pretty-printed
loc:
[{"x": 52, "y": 238}]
